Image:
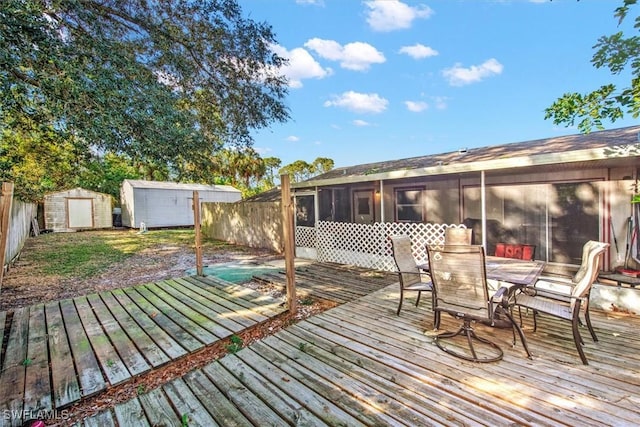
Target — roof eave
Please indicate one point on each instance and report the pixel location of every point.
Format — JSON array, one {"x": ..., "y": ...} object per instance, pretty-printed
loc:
[{"x": 593, "y": 154}]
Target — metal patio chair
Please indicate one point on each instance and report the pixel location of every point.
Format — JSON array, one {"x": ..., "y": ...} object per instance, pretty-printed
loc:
[
  {"x": 412, "y": 278},
  {"x": 460, "y": 282},
  {"x": 567, "y": 304}
]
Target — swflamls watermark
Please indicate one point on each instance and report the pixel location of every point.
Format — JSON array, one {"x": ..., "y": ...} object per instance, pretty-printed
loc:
[{"x": 9, "y": 414}]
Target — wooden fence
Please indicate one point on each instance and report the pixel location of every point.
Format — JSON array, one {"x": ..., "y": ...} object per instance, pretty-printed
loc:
[
  {"x": 15, "y": 225},
  {"x": 253, "y": 224}
]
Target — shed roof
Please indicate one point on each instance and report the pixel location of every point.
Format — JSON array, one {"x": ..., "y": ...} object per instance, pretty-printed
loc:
[
  {"x": 600, "y": 145},
  {"x": 167, "y": 185}
]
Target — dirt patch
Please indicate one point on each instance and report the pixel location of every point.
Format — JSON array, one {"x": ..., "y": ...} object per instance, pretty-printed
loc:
[{"x": 25, "y": 284}]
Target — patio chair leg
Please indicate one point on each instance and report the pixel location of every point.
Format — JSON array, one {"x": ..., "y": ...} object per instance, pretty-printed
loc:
[
  {"x": 578, "y": 340},
  {"x": 587, "y": 320},
  {"x": 418, "y": 299},
  {"x": 467, "y": 330},
  {"x": 400, "y": 303},
  {"x": 517, "y": 328}
]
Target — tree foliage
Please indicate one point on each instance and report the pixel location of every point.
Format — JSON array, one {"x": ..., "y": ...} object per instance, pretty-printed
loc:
[
  {"x": 301, "y": 170},
  {"x": 165, "y": 82},
  {"x": 609, "y": 102}
]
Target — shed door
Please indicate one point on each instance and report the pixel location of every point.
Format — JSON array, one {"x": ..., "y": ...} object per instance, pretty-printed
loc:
[{"x": 80, "y": 213}]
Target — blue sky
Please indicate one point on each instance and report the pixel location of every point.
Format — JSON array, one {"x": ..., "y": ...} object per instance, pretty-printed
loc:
[{"x": 380, "y": 80}]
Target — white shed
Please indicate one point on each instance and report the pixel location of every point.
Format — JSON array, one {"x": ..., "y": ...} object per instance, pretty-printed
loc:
[
  {"x": 167, "y": 204},
  {"x": 77, "y": 209}
]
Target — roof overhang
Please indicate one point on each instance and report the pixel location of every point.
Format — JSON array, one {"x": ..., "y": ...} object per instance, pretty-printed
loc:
[{"x": 608, "y": 153}]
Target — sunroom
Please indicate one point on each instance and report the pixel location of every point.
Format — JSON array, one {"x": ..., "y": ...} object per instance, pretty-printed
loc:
[{"x": 555, "y": 193}]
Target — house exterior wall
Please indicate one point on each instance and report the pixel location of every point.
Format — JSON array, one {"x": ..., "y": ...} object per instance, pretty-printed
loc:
[
  {"x": 456, "y": 198},
  {"x": 56, "y": 209}
]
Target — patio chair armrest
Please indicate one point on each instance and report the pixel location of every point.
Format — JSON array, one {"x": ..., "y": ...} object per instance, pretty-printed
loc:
[
  {"x": 499, "y": 295},
  {"x": 547, "y": 293}
]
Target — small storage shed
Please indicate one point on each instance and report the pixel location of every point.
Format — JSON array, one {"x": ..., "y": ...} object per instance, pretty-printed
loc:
[
  {"x": 167, "y": 204},
  {"x": 77, "y": 209}
]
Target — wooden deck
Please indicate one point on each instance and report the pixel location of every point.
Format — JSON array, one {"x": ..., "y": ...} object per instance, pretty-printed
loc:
[
  {"x": 57, "y": 353},
  {"x": 360, "y": 364}
]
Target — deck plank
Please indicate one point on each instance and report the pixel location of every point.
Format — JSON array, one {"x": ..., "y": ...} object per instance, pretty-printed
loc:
[
  {"x": 158, "y": 409},
  {"x": 289, "y": 410},
  {"x": 102, "y": 419},
  {"x": 89, "y": 374},
  {"x": 12, "y": 376},
  {"x": 131, "y": 414},
  {"x": 224, "y": 412},
  {"x": 66, "y": 388},
  {"x": 256, "y": 305},
  {"x": 110, "y": 362},
  {"x": 246, "y": 297},
  {"x": 252, "y": 406},
  {"x": 37, "y": 387},
  {"x": 164, "y": 317},
  {"x": 152, "y": 353},
  {"x": 240, "y": 314},
  {"x": 180, "y": 313},
  {"x": 320, "y": 404},
  {"x": 126, "y": 348},
  {"x": 157, "y": 334},
  {"x": 221, "y": 322},
  {"x": 188, "y": 405}
]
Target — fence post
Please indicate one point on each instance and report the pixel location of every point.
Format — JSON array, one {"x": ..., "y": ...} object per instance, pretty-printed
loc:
[
  {"x": 289, "y": 242},
  {"x": 5, "y": 212},
  {"x": 196, "y": 227}
]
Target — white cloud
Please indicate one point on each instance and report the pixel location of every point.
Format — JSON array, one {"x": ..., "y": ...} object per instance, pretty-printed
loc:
[
  {"x": 361, "y": 123},
  {"x": 418, "y": 51},
  {"x": 389, "y": 15},
  {"x": 355, "y": 56},
  {"x": 359, "y": 102},
  {"x": 292, "y": 138},
  {"x": 301, "y": 66},
  {"x": 460, "y": 76},
  {"x": 312, "y": 2},
  {"x": 416, "y": 106}
]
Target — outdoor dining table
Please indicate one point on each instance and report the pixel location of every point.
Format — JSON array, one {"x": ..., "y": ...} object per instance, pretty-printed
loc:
[
  {"x": 510, "y": 272},
  {"x": 513, "y": 274}
]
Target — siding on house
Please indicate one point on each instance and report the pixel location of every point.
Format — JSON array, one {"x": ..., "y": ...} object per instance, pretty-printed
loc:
[
  {"x": 77, "y": 209},
  {"x": 167, "y": 204}
]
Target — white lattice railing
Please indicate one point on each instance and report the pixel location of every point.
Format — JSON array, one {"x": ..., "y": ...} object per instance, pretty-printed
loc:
[{"x": 367, "y": 245}]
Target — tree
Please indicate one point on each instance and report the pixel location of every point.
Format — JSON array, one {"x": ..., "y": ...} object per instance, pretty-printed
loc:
[
  {"x": 301, "y": 170},
  {"x": 617, "y": 53},
  {"x": 161, "y": 82}
]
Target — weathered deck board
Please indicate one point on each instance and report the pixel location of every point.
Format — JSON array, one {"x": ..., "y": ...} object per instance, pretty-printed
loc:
[
  {"x": 155, "y": 331},
  {"x": 187, "y": 404},
  {"x": 166, "y": 322},
  {"x": 189, "y": 319},
  {"x": 89, "y": 374},
  {"x": 361, "y": 364},
  {"x": 113, "y": 367},
  {"x": 66, "y": 388},
  {"x": 219, "y": 290},
  {"x": 37, "y": 385},
  {"x": 12, "y": 376},
  {"x": 86, "y": 344},
  {"x": 131, "y": 414},
  {"x": 138, "y": 337}
]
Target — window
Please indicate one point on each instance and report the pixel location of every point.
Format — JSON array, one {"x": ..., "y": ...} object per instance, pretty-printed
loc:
[
  {"x": 305, "y": 213},
  {"x": 409, "y": 206},
  {"x": 558, "y": 218}
]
